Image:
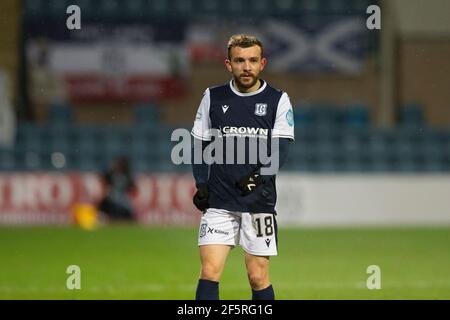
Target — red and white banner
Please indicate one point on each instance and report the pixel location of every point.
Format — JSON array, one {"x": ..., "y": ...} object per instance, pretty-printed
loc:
[
  {"x": 106, "y": 62},
  {"x": 48, "y": 198}
]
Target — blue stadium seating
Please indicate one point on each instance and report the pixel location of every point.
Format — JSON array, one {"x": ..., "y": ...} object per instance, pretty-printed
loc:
[
  {"x": 146, "y": 115},
  {"x": 118, "y": 9},
  {"x": 411, "y": 116},
  {"x": 34, "y": 160},
  {"x": 60, "y": 114},
  {"x": 7, "y": 161},
  {"x": 356, "y": 116},
  {"x": 328, "y": 139}
]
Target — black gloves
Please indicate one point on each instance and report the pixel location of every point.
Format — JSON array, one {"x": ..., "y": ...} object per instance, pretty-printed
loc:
[
  {"x": 246, "y": 185},
  {"x": 249, "y": 183},
  {"x": 201, "y": 197}
]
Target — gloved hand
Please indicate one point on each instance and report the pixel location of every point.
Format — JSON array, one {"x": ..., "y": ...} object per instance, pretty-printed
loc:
[
  {"x": 201, "y": 197},
  {"x": 249, "y": 183}
]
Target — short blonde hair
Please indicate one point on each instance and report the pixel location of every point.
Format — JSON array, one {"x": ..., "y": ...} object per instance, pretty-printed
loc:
[{"x": 243, "y": 41}]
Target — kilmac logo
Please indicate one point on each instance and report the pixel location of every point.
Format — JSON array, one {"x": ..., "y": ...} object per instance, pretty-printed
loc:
[{"x": 251, "y": 132}]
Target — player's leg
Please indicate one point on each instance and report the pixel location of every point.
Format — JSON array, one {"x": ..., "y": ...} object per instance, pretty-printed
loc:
[
  {"x": 219, "y": 232},
  {"x": 258, "y": 238},
  {"x": 213, "y": 258},
  {"x": 258, "y": 276}
]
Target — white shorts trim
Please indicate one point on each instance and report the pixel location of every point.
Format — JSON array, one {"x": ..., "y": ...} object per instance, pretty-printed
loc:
[{"x": 256, "y": 233}]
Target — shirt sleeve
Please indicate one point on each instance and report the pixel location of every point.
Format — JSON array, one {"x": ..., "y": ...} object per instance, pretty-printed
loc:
[
  {"x": 284, "y": 120},
  {"x": 202, "y": 123}
]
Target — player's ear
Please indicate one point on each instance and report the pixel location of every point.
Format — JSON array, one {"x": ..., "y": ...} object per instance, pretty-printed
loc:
[
  {"x": 228, "y": 65},
  {"x": 264, "y": 62}
]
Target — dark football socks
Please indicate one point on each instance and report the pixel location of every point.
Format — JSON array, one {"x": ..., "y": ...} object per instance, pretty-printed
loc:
[
  {"x": 264, "y": 294},
  {"x": 207, "y": 290}
]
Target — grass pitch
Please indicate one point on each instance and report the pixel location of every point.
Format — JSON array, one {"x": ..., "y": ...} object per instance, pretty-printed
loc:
[{"x": 138, "y": 262}]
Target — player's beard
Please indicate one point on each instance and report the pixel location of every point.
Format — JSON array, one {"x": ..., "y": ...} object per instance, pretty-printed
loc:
[{"x": 245, "y": 85}]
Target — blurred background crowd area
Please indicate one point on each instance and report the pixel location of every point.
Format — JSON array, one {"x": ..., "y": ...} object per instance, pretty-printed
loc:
[{"x": 364, "y": 100}]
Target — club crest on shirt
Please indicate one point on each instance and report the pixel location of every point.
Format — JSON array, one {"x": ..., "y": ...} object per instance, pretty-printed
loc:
[{"x": 261, "y": 109}]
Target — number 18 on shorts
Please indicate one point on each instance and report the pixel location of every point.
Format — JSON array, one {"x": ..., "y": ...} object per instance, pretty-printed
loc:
[{"x": 256, "y": 233}]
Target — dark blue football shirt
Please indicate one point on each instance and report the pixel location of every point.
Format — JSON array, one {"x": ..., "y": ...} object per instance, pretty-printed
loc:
[{"x": 262, "y": 115}]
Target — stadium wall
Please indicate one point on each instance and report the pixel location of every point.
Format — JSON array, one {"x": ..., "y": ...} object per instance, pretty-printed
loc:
[
  {"x": 303, "y": 200},
  {"x": 343, "y": 200}
]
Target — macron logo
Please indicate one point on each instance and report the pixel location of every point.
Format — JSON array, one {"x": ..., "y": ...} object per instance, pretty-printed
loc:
[{"x": 225, "y": 108}]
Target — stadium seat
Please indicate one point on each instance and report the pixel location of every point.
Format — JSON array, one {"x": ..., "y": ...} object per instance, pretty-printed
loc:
[
  {"x": 150, "y": 133},
  {"x": 433, "y": 150},
  {"x": 377, "y": 145},
  {"x": 7, "y": 161},
  {"x": 110, "y": 8},
  {"x": 134, "y": 10},
  {"x": 411, "y": 116},
  {"x": 283, "y": 7},
  {"x": 297, "y": 160},
  {"x": 57, "y": 139},
  {"x": 304, "y": 118},
  {"x": 146, "y": 115},
  {"x": 33, "y": 160},
  {"x": 28, "y": 131},
  {"x": 351, "y": 146},
  {"x": 139, "y": 146},
  {"x": 327, "y": 115},
  {"x": 409, "y": 166},
  {"x": 90, "y": 162},
  {"x": 139, "y": 164},
  {"x": 261, "y": 7},
  {"x": 446, "y": 158},
  {"x": 35, "y": 8},
  {"x": 56, "y": 8},
  {"x": 406, "y": 150},
  {"x": 59, "y": 144},
  {"x": 434, "y": 165},
  {"x": 60, "y": 114},
  {"x": 356, "y": 116},
  {"x": 379, "y": 164},
  {"x": 117, "y": 140},
  {"x": 326, "y": 149},
  {"x": 210, "y": 6},
  {"x": 359, "y": 7},
  {"x": 335, "y": 7},
  {"x": 379, "y": 150},
  {"x": 160, "y": 7},
  {"x": 89, "y": 142},
  {"x": 325, "y": 165},
  {"x": 297, "y": 155},
  {"x": 90, "y": 9},
  {"x": 310, "y": 6}
]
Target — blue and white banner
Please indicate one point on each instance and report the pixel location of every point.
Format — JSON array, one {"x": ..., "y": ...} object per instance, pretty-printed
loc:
[{"x": 336, "y": 45}]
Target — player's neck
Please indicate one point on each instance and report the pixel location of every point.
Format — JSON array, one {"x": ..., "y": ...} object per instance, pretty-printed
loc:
[{"x": 254, "y": 88}]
